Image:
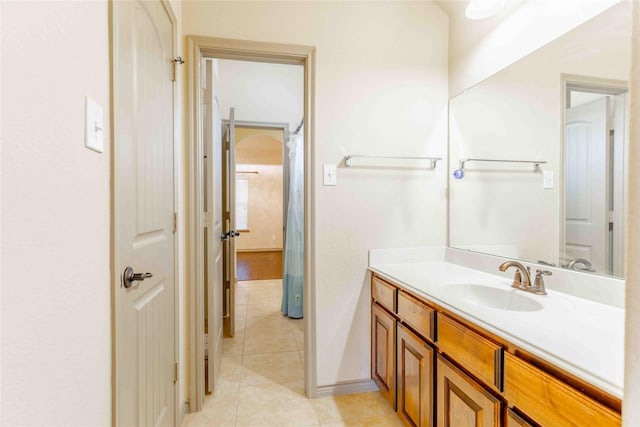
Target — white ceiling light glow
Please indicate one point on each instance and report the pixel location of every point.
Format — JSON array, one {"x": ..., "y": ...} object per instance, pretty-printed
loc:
[{"x": 481, "y": 9}]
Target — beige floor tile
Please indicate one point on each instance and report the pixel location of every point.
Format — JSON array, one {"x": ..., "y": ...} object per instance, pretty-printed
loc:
[
  {"x": 261, "y": 377},
  {"x": 233, "y": 345},
  {"x": 281, "y": 368},
  {"x": 351, "y": 407},
  {"x": 299, "y": 337},
  {"x": 273, "y": 405},
  {"x": 270, "y": 297},
  {"x": 297, "y": 324},
  {"x": 272, "y": 341},
  {"x": 241, "y": 307},
  {"x": 275, "y": 324},
  {"x": 261, "y": 310},
  {"x": 242, "y": 297},
  {"x": 231, "y": 366},
  {"x": 219, "y": 410}
]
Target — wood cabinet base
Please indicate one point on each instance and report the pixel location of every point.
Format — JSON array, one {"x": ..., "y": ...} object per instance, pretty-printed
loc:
[
  {"x": 383, "y": 352},
  {"x": 415, "y": 379},
  {"x": 462, "y": 402}
]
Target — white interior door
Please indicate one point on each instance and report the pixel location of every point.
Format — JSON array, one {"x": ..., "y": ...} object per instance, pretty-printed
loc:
[
  {"x": 230, "y": 274},
  {"x": 213, "y": 206},
  {"x": 586, "y": 183},
  {"x": 143, "y": 214}
]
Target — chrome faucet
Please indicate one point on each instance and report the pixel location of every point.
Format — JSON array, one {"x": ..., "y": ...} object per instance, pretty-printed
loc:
[
  {"x": 587, "y": 265},
  {"x": 522, "y": 277}
]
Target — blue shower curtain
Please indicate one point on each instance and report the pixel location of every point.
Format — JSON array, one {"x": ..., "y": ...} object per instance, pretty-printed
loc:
[{"x": 294, "y": 239}]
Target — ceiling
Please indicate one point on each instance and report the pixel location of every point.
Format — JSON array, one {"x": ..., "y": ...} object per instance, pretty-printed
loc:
[{"x": 455, "y": 10}]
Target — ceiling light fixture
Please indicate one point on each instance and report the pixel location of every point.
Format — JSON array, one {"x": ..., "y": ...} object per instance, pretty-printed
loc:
[{"x": 481, "y": 9}]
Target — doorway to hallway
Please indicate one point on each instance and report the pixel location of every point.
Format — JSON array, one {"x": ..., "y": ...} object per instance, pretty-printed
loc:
[
  {"x": 261, "y": 201},
  {"x": 243, "y": 113}
]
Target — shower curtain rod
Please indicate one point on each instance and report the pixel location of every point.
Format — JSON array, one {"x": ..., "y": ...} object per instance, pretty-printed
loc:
[{"x": 256, "y": 172}]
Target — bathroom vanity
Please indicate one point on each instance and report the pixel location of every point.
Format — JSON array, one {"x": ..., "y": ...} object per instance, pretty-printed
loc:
[{"x": 455, "y": 346}]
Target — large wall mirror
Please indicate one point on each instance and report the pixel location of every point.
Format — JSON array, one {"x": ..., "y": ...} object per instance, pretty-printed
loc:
[{"x": 537, "y": 152}]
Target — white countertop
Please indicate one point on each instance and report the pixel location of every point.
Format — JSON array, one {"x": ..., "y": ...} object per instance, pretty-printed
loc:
[{"x": 581, "y": 336}]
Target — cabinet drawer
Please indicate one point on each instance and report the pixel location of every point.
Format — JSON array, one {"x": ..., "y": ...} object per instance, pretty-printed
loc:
[
  {"x": 472, "y": 351},
  {"x": 549, "y": 401},
  {"x": 383, "y": 293},
  {"x": 417, "y": 315}
]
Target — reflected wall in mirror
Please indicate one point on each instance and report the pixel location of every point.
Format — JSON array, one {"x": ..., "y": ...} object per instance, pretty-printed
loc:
[{"x": 567, "y": 212}]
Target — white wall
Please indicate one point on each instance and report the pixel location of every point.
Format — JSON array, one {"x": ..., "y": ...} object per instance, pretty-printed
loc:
[
  {"x": 517, "y": 114},
  {"x": 55, "y": 267},
  {"x": 261, "y": 92},
  {"x": 56, "y": 299},
  {"x": 530, "y": 26},
  {"x": 630, "y": 408},
  {"x": 265, "y": 208},
  {"x": 381, "y": 88}
]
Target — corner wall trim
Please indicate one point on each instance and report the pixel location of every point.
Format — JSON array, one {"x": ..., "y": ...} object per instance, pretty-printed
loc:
[{"x": 346, "y": 387}]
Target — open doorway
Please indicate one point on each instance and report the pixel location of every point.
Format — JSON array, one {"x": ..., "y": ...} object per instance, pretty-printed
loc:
[
  {"x": 260, "y": 200},
  {"x": 595, "y": 147},
  {"x": 252, "y": 137}
]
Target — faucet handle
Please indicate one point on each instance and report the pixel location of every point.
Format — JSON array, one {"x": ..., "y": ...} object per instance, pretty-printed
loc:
[{"x": 538, "y": 284}]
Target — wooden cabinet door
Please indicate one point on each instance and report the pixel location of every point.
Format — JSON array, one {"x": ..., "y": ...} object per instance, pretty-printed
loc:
[
  {"x": 462, "y": 402},
  {"x": 383, "y": 350},
  {"x": 415, "y": 379},
  {"x": 514, "y": 420}
]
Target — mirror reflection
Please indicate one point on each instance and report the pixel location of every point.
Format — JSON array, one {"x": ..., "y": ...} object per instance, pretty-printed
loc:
[{"x": 537, "y": 152}]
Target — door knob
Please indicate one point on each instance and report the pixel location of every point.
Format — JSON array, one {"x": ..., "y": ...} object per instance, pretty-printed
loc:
[
  {"x": 129, "y": 276},
  {"x": 226, "y": 236}
]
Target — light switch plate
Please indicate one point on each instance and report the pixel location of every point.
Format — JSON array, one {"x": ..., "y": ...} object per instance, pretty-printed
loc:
[
  {"x": 547, "y": 179},
  {"x": 93, "y": 126},
  {"x": 329, "y": 175}
]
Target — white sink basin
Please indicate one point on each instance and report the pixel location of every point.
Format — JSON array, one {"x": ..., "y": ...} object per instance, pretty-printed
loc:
[{"x": 496, "y": 298}]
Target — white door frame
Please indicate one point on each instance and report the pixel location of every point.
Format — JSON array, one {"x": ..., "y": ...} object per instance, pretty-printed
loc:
[
  {"x": 572, "y": 82},
  {"x": 115, "y": 273},
  {"x": 211, "y": 47}
]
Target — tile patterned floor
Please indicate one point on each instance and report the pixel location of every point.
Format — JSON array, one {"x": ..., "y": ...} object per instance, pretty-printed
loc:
[{"x": 261, "y": 382}]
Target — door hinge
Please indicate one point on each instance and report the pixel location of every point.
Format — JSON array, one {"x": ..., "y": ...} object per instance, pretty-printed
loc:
[
  {"x": 175, "y": 222},
  {"x": 175, "y": 372},
  {"x": 176, "y": 61}
]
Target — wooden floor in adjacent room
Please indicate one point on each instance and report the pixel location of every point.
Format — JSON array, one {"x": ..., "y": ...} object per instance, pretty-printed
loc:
[{"x": 260, "y": 265}]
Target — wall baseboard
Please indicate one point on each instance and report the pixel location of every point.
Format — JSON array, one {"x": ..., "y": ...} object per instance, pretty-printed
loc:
[{"x": 346, "y": 387}]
